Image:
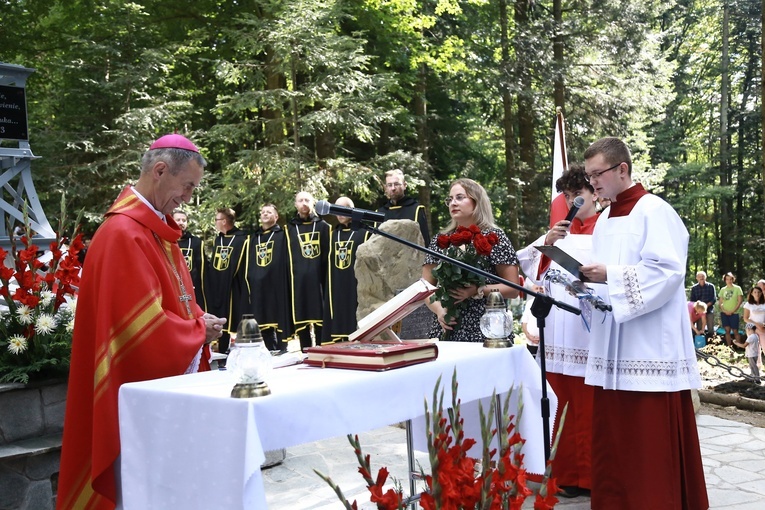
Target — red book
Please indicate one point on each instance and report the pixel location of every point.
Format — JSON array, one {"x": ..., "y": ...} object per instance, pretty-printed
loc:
[{"x": 370, "y": 355}]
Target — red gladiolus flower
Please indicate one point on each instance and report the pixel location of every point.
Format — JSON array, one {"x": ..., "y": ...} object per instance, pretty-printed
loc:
[
  {"x": 6, "y": 273},
  {"x": 29, "y": 254}
]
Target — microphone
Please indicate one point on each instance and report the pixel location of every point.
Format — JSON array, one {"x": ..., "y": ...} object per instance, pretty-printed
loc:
[
  {"x": 323, "y": 207},
  {"x": 578, "y": 202}
]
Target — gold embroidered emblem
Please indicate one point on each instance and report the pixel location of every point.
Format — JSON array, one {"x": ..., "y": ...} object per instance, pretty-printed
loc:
[
  {"x": 309, "y": 245},
  {"x": 265, "y": 253},
  {"x": 222, "y": 257},
  {"x": 188, "y": 255},
  {"x": 343, "y": 254}
]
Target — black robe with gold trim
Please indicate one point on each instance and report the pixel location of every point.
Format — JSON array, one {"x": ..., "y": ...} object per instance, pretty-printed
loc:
[
  {"x": 265, "y": 293},
  {"x": 225, "y": 264},
  {"x": 341, "y": 300},
  {"x": 307, "y": 245},
  {"x": 191, "y": 248}
]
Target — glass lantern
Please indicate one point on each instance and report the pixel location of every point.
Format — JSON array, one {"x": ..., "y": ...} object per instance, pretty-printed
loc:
[
  {"x": 249, "y": 360},
  {"x": 497, "y": 322}
]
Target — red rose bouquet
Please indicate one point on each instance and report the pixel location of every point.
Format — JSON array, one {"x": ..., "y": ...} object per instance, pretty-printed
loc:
[
  {"x": 470, "y": 246},
  {"x": 37, "y": 301}
]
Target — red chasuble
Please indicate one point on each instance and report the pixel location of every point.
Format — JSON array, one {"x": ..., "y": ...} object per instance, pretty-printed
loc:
[{"x": 131, "y": 325}]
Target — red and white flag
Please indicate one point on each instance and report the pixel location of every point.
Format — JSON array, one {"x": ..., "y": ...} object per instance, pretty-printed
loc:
[{"x": 558, "y": 206}]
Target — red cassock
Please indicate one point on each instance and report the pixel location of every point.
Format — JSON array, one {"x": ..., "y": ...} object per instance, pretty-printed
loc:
[
  {"x": 573, "y": 460},
  {"x": 131, "y": 325}
]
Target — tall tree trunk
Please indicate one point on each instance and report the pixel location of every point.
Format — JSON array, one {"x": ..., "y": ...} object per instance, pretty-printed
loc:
[
  {"x": 530, "y": 204},
  {"x": 274, "y": 129},
  {"x": 762, "y": 101},
  {"x": 507, "y": 122},
  {"x": 558, "y": 83},
  {"x": 726, "y": 232},
  {"x": 423, "y": 143}
]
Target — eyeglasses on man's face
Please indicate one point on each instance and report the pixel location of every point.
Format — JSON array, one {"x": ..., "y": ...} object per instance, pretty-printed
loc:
[
  {"x": 392, "y": 185},
  {"x": 456, "y": 198},
  {"x": 597, "y": 175},
  {"x": 220, "y": 219}
]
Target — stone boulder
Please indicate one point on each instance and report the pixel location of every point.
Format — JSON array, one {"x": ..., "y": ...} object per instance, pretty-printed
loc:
[{"x": 384, "y": 266}]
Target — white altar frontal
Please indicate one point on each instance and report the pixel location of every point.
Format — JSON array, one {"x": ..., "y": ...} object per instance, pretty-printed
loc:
[{"x": 187, "y": 444}]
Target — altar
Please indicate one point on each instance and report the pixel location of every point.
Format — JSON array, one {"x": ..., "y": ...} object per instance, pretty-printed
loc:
[{"x": 186, "y": 444}]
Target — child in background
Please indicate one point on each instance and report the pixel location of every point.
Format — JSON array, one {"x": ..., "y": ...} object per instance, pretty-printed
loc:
[{"x": 752, "y": 345}]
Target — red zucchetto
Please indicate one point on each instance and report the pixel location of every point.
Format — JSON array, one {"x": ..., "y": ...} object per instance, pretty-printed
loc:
[{"x": 174, "y": 141}]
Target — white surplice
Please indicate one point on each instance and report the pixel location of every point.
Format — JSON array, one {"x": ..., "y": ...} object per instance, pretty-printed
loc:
[
  {"x": 645, "y": 344},
  {"x": 566, "y": 337}
]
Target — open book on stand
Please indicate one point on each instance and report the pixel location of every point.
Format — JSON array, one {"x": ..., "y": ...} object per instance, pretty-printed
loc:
[{"x": 374, "y": 346}]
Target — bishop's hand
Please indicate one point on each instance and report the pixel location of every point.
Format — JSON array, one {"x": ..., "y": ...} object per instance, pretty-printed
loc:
[{"x": 213, "y": 327}]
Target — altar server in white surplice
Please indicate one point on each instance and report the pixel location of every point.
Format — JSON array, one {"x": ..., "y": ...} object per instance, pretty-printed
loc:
[
  {"x": 642, "y": 362},
  {"x": 567, "y": 338}
]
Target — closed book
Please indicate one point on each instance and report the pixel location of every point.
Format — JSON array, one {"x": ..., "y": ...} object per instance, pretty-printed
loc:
[{"x": 370, "y": 355}]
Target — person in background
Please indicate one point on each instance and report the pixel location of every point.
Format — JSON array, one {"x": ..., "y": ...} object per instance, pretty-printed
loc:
[
  {"x": 641, "y": 361},
  {"x": 754, "y": 312},
  {"x": 341, "y": 299},
  {"x": 752, "y": 350},
  {"x": 761, "y": 285},
  {"x": 84, "y": 251},
  {"x": 697, "y": 311},
  {"x": 730, "y": 298},
  {"x": 705, "y": 292},
  {"x": 225, "y": 266},
  {"x": 469, "y": 205},
  {"x": 191, "y": 248},
  {"x": 136, "y": 320},
  {"x": 307, "y": 245},
  {"x": 603, "y": 203},
  {"x": 265, "y": 289},
  {"x": 401, "y": 207}
]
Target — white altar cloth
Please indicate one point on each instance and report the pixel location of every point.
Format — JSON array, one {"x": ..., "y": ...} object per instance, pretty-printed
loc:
[{"x": 187, "y": 444}]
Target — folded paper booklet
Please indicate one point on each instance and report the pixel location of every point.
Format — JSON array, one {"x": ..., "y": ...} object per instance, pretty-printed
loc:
[
  {"x": 564, "y": 260},
  {"x": 374, "y": 346}
]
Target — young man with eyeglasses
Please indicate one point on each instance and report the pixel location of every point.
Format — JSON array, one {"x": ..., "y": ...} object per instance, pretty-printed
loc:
[
  {"x": 401, "y": 207},
  {"x": 641, "y": 362}
]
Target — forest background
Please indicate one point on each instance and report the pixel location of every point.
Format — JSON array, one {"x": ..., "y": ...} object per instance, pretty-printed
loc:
[{"x": 326, "y": 95}]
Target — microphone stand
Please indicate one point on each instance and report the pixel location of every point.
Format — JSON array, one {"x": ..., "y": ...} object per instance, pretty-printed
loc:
[{"x": 540, "y": 308}]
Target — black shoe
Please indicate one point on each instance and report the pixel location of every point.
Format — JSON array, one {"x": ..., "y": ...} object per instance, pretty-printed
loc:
[{"x": 572, "y": 491}]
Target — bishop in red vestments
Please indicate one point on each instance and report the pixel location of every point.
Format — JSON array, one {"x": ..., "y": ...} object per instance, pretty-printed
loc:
[{"x": 136, "y": 319}]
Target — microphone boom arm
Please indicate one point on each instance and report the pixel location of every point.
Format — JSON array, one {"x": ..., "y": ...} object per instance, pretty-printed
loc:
[{"x": 468, "y": 267}]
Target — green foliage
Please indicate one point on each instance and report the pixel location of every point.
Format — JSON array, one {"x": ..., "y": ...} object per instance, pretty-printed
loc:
[{"x": 325, "y": 95}]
